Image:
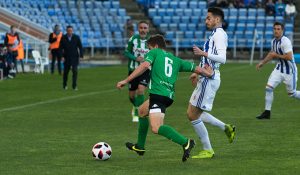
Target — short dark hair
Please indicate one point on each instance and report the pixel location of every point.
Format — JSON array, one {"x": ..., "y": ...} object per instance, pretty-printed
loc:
[
  {"x": 69, "y": 26},
  {"x": 278, "y": 24},
  {"x": 12, "y": 26},
  {"x": 143, "y": 22},
  {"x": 216, "y": 12},
  {"x": 157, "y": 39}
]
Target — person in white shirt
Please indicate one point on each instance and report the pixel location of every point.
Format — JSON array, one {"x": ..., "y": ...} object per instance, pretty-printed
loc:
[
  {"x": 285, "y": 70},
  {"x": 201, "y": 101},
  {"x": 290, "y": 11}
]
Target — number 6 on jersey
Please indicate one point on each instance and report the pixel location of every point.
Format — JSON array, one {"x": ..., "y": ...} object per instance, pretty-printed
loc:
[{"x": 168, "y": 66}]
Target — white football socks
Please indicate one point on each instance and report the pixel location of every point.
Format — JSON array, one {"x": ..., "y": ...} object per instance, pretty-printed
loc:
[
  {"x": 269, "y": 99},
  {"x": 202, "y": 133},
  {"x": 208, "y": 118}
]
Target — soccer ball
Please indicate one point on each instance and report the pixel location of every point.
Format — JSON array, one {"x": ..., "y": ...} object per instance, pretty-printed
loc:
[{"x": 101, "y": 151}]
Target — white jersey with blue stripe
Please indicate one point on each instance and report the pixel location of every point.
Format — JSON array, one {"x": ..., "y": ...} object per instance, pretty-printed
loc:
[
  {"x": 215, "y": 46},
  {"x": 283, "y": 46}
]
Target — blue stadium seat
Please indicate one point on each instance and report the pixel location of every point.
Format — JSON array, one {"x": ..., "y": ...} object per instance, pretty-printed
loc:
[
  {"x": 189, "y": 34},
  {"x": 270, "y": 19},
  {"x": 242, "y": 19},
  {"x": 115, "y": 4},
  {"x": 166, "y": 19},
  {"x": 289, "y": 27},
  {"x": 240, "y": 27},
  {"x": 252, "y": 12},
  {"x": 179, "y": 34},
  {"x": 163, "y": 27},
  {"x": 202, "y": 4},
  {"x": 152, "y": 12},
  {"x": 279, "y": 19},
  {"x": 251, "y": 19},
  {"x": 233, "y": 12},
  {"x": 242, "y": 12},
  {"x": 164, "y": 4},
  {"x": 185, "y": 19},
  {"x": 195, "y": 19},
  {"x": 156, "y": 20},
  {"x": 260, "y": 27},
  {"x": 249, "y": 35},
  {"x": 226, "y": 12},
  {"x": 175, "y": 19},
  {"x": 187, "y": 12},
  {"x": 183, "y": 4},
  {"x": 261, "y": 12},
  {"x": 161, "y": 12},
  {"x": 174, "y": 4},
  {"x": 250, "y": 27},
  {"x": 199, "y": 34},
  {"x": 169, "y": 35},
  {"x": 197, "y": 12},
  {"x": 173, "y": 26},
  {"x": 239, "y": 34},
  {"x": 170, "y": 12},
  {"x": 193, "y": 4},
  {"x": 192, "y": 27},
  {"x": 201, "y": 26},
  {"x": 179, "y": 12},
  {"x": 231, "y": 27},
  {"x": 261, "y": 19},
  {"x": 269, "y": 27},
  {"x": 182, "y": 26}
]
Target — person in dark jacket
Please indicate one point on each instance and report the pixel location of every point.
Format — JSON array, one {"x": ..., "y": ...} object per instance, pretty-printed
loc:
[{"x": 71, "y": 48}]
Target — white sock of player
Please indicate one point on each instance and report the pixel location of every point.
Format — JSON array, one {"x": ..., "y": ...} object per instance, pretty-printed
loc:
[
  {"x": 202, "y": 133},
  {"x": 269, "y": 99},
  {"x": 208, "y": 118},
  {"x": 296, "y": 95}
]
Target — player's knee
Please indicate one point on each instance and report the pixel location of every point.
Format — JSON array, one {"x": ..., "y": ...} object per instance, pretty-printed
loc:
[
  {"x": 142, "y": 112},
  {"x": 154, "y": 129},
  {"x": 191, "y": 116},
  {"x": 269, "y": 89}
]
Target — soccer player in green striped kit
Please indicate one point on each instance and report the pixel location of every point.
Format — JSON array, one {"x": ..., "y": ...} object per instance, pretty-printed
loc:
[
  {"x": 135, "y": 52},
  {"x": 164, "y": 71}
]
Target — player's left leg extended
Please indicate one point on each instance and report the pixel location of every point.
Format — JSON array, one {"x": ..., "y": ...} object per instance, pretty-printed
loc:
[
  {"x": 157, "y": 127},
  {"x": 139, "y": 147}
]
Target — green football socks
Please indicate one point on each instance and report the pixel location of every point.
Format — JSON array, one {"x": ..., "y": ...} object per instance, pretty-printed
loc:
[
  {"x": 172, "y": 134},
  {"x": 142, "y": 132}
]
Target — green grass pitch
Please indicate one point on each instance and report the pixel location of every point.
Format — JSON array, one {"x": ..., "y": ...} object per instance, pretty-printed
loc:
[{"x": 46, "y": 130}]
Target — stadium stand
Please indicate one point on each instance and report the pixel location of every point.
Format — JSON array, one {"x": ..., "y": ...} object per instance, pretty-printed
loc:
[
  {"x": 95, "y": 21},
  {"x": 185, "y": 20}
]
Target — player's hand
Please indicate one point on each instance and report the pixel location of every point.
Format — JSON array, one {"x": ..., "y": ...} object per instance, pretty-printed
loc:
[
  {"x": 197, "y": 51},
  {"x": 194, "y": 79},
  {"x": 208, "y": 71},
  {"x": 259, "y": 66},
  {"x": 140, "y": 59},
  {"x": 121, "y": 84}
]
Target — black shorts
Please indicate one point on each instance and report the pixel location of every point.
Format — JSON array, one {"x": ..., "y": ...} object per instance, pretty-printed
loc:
[
  {"x": 158, "y": 103},
  {"x": 142, "y": 79}
]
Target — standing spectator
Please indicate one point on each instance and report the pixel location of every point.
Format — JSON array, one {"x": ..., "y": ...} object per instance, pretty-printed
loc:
[
  {"x": 20, "y": 56},
  {"x": 222, "y": 3},
  {"x": 129, "y": 28},
  {"x": 211, "y": 3},
  {"x": 54, "y": 40},
  {"x": 71, "y": 48},
  {"x": 270, "y": 8},
  {"x": 11, "y": 41},
  {"x": 279, "y": 8},
  {"x": 238, "y": 4},
  {"x": 290, "y": 11}
]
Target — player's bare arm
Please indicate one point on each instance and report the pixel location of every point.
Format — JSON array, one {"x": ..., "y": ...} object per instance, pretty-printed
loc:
[{"x": 137, "y": 72}]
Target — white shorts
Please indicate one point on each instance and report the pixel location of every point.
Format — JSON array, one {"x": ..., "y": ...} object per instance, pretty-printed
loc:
[
  {"x": 204, "y": 94},
  {"x": 290, "y": 80}
]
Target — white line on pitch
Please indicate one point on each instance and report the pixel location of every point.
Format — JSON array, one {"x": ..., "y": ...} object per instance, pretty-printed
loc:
[{"x": 84, "y": 95}]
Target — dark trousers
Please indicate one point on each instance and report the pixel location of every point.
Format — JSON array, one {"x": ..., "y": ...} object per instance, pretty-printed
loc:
[
  {"x": 56, "y": 55},
  {"x": 67, "y": 67}
]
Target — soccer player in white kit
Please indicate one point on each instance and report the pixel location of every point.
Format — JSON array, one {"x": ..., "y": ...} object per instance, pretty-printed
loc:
[
  {"x": 285, "y": 70},
  {"x": 201, "y": 101}
]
